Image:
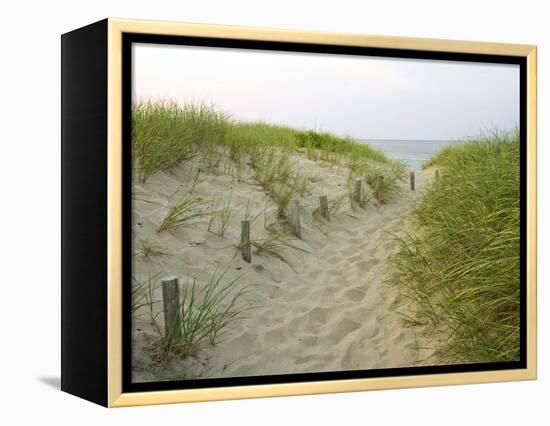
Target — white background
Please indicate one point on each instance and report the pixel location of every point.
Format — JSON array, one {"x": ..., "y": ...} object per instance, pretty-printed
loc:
[{"x": 30, "y": 200}]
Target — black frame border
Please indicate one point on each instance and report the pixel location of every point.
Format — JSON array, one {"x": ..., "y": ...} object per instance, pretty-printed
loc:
[
  {"x": 129, "y": 38},
  {"x": 84, "y": 281}
]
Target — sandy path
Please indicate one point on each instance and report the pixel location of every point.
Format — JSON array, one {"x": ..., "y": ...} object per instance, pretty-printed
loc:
[{"x": 336, "y": 312}]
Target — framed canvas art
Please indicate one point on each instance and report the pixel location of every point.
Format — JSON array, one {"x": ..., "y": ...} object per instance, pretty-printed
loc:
[{"x": 255, "y": 212}]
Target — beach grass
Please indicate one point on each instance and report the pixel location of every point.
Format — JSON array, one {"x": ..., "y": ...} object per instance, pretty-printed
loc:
[
  {"x": 335, "y": 207},
  {"x": 165, "y": 133},
  {"x": 275, "y": 246},
  {"x": 460, "y": 267},
  {"x": 245, "y": 137},
  {"x": 143, "y": 297},
  {"x": 333, "y": 148},
  {"x": 219, "y": 217},
  {"x": 147, "y": 249},
  {"x": 205, "y": 312},
  {"x": 181, "y": 213},
  {"x": 139, "y": 294},
  {"x": 301, "y": 184},
  {"x": 357, "y": 198},
  {"x": 383, "y": 182},
  {"x": 275, "y": 173}
]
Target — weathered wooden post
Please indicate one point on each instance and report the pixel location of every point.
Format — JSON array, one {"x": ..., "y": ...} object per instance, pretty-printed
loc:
[
  {"x": 246, "y": 248},
  {"x": 412, "y": 181},
  {"x": 295, "y": 218},
  {"x": 171, "y": 308},
  {"x": 323, "y": 201},
  {"x": 437, "y": 175},
  {"x": 357, "y": 191}
]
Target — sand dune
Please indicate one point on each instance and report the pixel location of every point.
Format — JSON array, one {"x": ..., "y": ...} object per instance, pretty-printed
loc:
[{"x": 335, "y": 311}]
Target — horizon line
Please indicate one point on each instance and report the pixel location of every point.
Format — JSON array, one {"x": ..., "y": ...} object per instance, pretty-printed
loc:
[{"x": 409, "y": 140}]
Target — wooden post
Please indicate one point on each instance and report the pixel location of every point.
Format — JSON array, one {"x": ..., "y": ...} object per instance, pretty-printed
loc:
[
  {"x": 412, "y": 181},
  {"x": 246, "y": 248},
  {"x": 171, "y": 308},
  {"x": 295, "y": 218},
  {"x": 437, "y": 175},
  {"x": 357, "y": 191},
  {"x": 323, "y": 201}
]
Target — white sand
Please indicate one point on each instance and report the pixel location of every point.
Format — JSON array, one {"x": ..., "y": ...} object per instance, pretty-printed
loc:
[{"x": 338, "y": 311}]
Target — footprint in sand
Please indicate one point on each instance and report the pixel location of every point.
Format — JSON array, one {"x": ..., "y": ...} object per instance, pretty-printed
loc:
[
  {"x": 316, "y": 318},
  {"x": 311, "y": 321},
  {"x": 306, "y": 359},
  {"x": 356, "y": 294},
  {"x": 335, "y": 260},
  {"x": 378, "y": 336},
  {"x": 355, "y": 355},
  {"x": 273, "y": 291},
  {"x": 324, "y": 295},
  {"x": 245, "y": 339},
  {"x": 371, "y": 230},
  {"x": 356, "y": 258},
  {"x": 309, "y": 340},
  {"x": 350, "y": 251},
  {"x": 342, "y": 330},
  {"x": 314, "y": 274},
  {"x": 274, "y": 337},
  {"x": 335, "y": 272},
  {"x": 366, "y": 265},
  {"x": 245, "y": 370}
]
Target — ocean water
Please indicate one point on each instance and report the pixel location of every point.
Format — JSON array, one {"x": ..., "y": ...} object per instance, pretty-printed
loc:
[{"x": 414, "y": 153}]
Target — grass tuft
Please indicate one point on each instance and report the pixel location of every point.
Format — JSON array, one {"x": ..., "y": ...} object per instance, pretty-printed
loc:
[
  {"x": 335, "y": 208},
  {"x": 206, "y": 312},
  {"x": 219, "y": 217},
  {"x": 143, "y": 297},
  {"x": 181, "y": 214},
  {"x": 276, "y": 246},
  {"x": 360, "y": 199},
  {"x": 332, "y": 148},
  {"x": 274, "y": 171},
  {"x": 383, "y": 182},
  {"x": 301, "y": 185},
  {"x": 146, "y": 248},
  {"x": 165, "y": 133}
]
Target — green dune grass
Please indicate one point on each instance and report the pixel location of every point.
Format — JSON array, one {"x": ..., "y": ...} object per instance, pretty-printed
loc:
[
  {"x": 165, "y": 133},
  {"x": 460, "y": 266}
]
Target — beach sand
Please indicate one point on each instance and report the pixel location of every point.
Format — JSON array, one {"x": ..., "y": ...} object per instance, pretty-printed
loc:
[{"x": 337, "y": 310}]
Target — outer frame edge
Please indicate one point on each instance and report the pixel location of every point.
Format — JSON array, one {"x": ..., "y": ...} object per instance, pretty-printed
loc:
[
  {"x": 84, "y": 351},
  {"x": 116, "y": 398},
  {"x": 311, "y": 388},
  {"x": 532, "y": 210},
  {"x": 114, "y": 212},
  {"x": 301, "y": 36}
]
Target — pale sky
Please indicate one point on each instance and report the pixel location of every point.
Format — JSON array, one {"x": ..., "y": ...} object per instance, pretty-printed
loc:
[{"x": 357, "y": 96}]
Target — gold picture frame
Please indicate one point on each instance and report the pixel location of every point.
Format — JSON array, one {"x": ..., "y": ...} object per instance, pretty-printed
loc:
[{"x": 111, "y": 393}]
